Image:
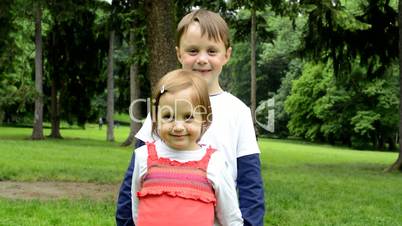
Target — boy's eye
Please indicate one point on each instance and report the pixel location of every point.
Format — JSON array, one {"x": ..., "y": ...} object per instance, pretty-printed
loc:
[
  {"x": 192, "y": 51},
  {"x": 212, "y": 51}
]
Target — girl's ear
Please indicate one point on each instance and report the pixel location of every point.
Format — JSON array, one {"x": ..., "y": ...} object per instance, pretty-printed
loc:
[
  {"x": 201, "y": 132},
  {"x": 204, "y": 128}
]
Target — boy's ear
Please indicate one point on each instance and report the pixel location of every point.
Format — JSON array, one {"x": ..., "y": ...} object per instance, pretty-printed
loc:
[
  {"x": 178, "y": 54},
  {"x": 228, "y": 54}
]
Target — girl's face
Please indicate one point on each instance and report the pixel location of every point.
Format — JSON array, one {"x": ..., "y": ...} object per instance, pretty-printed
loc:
[
  {"x": 206, "y": 56},
  {"x": 179, "y": 122}
]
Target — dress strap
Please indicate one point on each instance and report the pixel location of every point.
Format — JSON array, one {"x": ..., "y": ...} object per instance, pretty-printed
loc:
[
  {"x": 152, "y": 154},
  {"x": 203, "y": 163}
]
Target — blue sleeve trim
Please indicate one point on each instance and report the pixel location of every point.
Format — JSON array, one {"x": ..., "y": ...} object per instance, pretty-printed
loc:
[
  {"x": 251, "y": 190},
  {"x": 123, "y": 211}
]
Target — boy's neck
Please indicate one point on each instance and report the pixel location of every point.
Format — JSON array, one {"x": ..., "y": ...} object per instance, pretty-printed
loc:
[{"x": 214, "y": 90}]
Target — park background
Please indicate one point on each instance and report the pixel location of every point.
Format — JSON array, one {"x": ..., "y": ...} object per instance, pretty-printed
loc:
[{"x": 332, "y": 68}]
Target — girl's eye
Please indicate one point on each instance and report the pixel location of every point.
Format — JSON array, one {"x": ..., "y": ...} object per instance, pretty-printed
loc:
[
  {"x": 188, "y": 117},
  {"x": 167, "y": 117}
]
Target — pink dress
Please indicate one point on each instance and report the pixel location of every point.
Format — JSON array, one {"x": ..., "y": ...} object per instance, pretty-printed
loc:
[{"x": 175, "y": 193}]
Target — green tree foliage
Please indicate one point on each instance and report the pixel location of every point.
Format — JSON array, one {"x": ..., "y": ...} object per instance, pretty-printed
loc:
[
  {"x": 75, "y": 56},
  {"x": 134, "y": 21},
  {"x": 341, "y": 35},
  {"x": 236, "y": 76},
  {"x": 359, "y": 40},
  {"x": 16, "y": 61},
  {"x": 6, "y": 19},
  {"x": 281, "y": 116},
  {"x": 253, "y": 7},
  {"x": 301, "y": 103},
  {"x": 360, "y": 112},
  {"x": 280, "y": 61},
  {"x": 185, "y": 6}
]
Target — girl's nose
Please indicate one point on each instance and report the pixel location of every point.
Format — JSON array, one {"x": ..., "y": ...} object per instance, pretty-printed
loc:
[{"x": 178, "y": 126}]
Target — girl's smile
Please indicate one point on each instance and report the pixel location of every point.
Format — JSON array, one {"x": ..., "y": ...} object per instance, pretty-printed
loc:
[{"x": 179, "y": 124}]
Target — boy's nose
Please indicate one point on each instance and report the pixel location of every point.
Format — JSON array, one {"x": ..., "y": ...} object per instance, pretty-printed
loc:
[{"x": 202, "y": 58}]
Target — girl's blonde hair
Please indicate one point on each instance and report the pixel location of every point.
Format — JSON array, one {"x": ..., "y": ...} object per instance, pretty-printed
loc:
[
  {"x": 178, "y": 80},
  {"x": 211, "y": 23}
]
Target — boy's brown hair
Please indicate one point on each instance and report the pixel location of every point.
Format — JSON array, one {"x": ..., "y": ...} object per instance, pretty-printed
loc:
[
  {"x": 211, "y": 23},
  {"x": 179, "y": 80}
]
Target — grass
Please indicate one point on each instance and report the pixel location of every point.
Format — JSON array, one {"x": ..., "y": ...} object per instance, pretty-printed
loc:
[
  {"x": 305, "y": 184},
  {"x": 83, "y": 155},
  {"x": 123, "y": 118},
  {"x": 63, "y": 212},
  {"x": 309, "y": 184}
]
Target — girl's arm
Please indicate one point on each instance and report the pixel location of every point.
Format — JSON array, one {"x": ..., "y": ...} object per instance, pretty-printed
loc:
[
  {"x": 227, "y": 206},
  {"x": 124, "y": 206}
]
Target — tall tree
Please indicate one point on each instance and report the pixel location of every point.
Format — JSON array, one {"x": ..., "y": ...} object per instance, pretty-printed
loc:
[
  {"x": 397, "y": 165},
  {"x": 134, "y": 86},
  {"x": 54, "y": 94},
  {"x": 117, "y": 25},
  {"x": 75, "y": 55},
  {"x": 255, "y": 21},
  {"x": 110, "y": 96},
  {"x": 160, "y": 38},
  {"x": 253, "y": 86},
  {"x": 37, "y": 133}
]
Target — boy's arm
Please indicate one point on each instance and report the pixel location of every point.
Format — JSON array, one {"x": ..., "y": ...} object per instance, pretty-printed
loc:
[
  {"x": 227, "y": 205},
  {"x": 251, "y": 190},
  {"x": 249, "y": 181},
  {"x": 123, "y": 211}
]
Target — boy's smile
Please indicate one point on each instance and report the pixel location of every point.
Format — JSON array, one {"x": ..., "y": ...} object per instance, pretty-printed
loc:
[{"x": 199, "y": 53}]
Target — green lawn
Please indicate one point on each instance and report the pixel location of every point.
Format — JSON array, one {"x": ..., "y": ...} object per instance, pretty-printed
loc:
[
  {"x": 322, "y": 185},
  {"x": 62, "y": 212},
  {"x": 305, "y": 184},
  {"x": 83, "y": 155}
]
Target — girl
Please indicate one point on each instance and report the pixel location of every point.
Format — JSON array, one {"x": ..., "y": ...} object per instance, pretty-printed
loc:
[{"x": 176, "y": 181}]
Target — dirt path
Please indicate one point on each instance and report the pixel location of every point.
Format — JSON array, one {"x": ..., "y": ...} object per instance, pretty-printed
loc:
[{"x": 57, "y": 190}]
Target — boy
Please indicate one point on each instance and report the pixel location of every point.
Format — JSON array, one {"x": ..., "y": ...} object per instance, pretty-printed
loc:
[{"x": 203, "y": 46}]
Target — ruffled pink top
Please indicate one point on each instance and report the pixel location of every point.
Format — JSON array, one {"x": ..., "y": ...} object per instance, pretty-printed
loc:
[{"x": 176, "y": 193}]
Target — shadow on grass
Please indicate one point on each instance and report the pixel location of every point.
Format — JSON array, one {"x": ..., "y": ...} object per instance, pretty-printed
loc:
[
  {"x": 334, "y": 169},
  {"x": 66, "y": 141},
  {"x": 345, "y": 167}
]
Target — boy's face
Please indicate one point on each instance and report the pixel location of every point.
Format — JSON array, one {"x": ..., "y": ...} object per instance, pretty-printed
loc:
[{"x": 206, "y": 56}]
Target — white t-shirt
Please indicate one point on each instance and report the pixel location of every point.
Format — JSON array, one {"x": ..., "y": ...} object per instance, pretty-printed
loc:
[
  {"x": 231, "y": 131},
  {"x": 227, "y": 207}
]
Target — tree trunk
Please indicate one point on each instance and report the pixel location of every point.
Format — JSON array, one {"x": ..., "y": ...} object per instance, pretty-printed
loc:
[
  {"x": 37, "y": 132},
  {"x": 55, "y": 111},
  {"x": 398, "y": 163},
  {"x": 134, "y": 94},
  {"x": 110, "y": 96},
  {"x": 160, "y": 38},
  {"x": 54, "y": 105},
  {"x": 253, "y": 88},
  {"x": 391, "y": 144}
]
